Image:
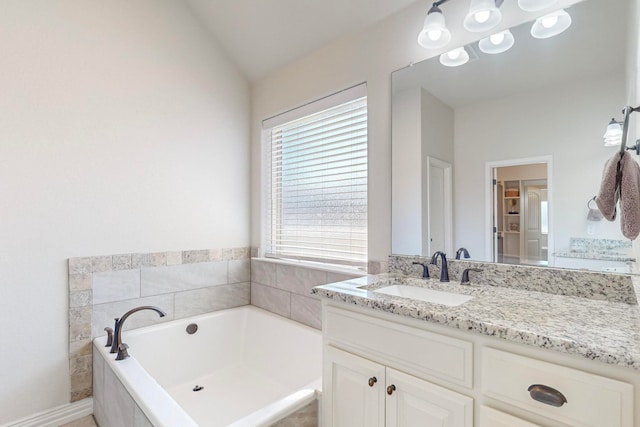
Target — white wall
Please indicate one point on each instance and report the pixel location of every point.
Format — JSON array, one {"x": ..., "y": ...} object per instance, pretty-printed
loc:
[
  {"x": 123, "y": 128},
  {"x": 571, "y": 134},
  {"x": 371, "y": 56}
]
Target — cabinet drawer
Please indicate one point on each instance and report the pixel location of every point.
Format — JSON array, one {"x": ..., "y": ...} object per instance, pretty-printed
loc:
[
  {"x": 422, "y": 353},
  {"x": 591, "y": 400},
  {"x": 489, "y": 417}
]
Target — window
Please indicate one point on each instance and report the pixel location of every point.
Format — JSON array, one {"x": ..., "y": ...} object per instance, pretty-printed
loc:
[{"x": 316, "y": 202}]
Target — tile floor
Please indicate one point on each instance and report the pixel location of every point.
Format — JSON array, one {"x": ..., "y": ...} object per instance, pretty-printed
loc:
[{"x": 87, "y": 421}]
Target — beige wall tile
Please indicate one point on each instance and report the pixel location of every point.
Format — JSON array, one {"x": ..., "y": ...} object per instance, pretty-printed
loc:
[
  {"x": 190, "y": 257},
  {"x": 80, "y": 282},
  {"x": 80, "y": 298},
  {"x": 101, "y": 263},
  {"x": 240, "y": 253},
  {"x": 215, "y": 254},
  {"x": 80, "y": 348},
  {"x": 339, "y": 277},
  {"x": 121, "y": 262},
  {"x": 174, "y": 258},
  {"x": 79, "y": 265},
  {"x": 80, "y": 323},
  {"x": 158, "y": 258}
]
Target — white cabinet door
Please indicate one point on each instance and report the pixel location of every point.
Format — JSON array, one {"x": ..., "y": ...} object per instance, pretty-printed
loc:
[
  {"x": 353, "y": 390},
  {"x": 491, "y": 418},
  {"x": 412, "y": 402}
]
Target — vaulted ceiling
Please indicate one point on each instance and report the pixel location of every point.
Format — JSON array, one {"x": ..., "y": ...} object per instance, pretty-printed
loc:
[{"x": 261, "y": 36}]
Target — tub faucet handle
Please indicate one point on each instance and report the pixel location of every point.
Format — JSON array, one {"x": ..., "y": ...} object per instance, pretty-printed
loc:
[
  {"x": 109, "y": 332},
  {"x": 122, "y": 351}
]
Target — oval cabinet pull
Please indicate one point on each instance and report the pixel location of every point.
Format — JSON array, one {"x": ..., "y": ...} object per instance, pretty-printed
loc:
[
  {"x": 391, "y": 389},
  {"x": 547, "y": 395},
  {"x": 372, "y": 381}
]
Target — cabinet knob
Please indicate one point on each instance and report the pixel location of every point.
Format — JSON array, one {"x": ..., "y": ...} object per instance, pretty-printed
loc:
[
  {"x": 372, "y": 381},
  {"x": 391, "y": 389},
  {"x": 547, "y": 395}
]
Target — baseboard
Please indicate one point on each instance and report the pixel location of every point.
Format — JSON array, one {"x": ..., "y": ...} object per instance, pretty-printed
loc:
[{"x": 56, "y": 417}]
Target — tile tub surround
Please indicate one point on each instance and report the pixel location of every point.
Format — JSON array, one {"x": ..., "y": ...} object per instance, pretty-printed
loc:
[
  {"x": 580, "y": 283},
  {"x": 285, "y": 289},
  {"x": 597, "y": 330},
  {"x": 183, "y": 283}
]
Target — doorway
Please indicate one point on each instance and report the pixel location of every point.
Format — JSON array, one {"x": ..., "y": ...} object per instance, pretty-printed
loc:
[{"x": 519, "y": 211}]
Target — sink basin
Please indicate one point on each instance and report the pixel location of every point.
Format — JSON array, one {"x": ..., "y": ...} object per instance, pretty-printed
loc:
[{"x": 427, "y": 295}]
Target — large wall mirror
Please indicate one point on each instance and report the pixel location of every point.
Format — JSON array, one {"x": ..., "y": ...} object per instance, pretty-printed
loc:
[{"x": 513, "y": 141}]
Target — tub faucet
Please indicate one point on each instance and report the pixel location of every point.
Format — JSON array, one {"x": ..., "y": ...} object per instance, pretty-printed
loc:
[
  {"x": 444, "y": 271},
  {"x": 462, "y": 251},
  {"x": 117, "y": 334}
]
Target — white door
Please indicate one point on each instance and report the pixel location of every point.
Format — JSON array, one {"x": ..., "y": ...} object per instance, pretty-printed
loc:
[
  {"x": 439, "y": 208},
  {"x": 353, "y": 390},
  {"x": 412, "y": 402},
  {"x": 535, "y": 241}
]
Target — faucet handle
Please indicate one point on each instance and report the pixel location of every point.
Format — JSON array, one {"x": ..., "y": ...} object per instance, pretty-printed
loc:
[
  {"x": 109, "y": 332},
  {"x": 425, "y": 268},
  {"x": 122, "y": 351},
  {"x": 465, "y": 275}
]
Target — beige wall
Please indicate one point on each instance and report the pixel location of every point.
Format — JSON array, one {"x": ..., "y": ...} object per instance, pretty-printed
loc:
[
  {"x": 123, "y": 128},
  {"x": 369, "y": 56}
]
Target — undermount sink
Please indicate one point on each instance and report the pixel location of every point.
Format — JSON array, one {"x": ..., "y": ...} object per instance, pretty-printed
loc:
[{"x": 423, "y": 294}]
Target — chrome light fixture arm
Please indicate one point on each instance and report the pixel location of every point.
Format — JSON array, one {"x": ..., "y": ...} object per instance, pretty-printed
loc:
[{"x": 625, "y": 130}]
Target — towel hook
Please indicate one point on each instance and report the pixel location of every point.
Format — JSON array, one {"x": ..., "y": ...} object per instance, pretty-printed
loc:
[
  {"x": 625, "y": 129},
  {"x": 591, "y": 200}
]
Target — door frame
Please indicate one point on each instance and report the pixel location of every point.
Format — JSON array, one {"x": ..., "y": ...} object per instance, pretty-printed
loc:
[
  {"x": 447, "y": 169},
  {"x": 488, "y": 198}
]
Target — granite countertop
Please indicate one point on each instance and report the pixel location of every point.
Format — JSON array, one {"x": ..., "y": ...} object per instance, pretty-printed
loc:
[
  {"x": 622, "y": 256},
  {"x": 607, "y": 332}
]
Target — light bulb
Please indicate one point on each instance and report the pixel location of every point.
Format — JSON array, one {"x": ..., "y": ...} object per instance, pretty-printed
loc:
[
  {"x": 551, "y": 24},
  {"x": 455, "y": 57},
  {"x": 497, "y": 38},
  {"x": 497, "y": 43},
  {"x": 434, "y": 35},
  {"x": 482, "y": 16},
  {"x": 549, "y": 21}
]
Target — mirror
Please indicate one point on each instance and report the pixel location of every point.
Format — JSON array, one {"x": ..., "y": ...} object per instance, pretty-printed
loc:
[{"x": 544, "y": 101}]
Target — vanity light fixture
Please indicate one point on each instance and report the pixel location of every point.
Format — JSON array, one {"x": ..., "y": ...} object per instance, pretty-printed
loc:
[
  {"x": 497, "y": 43},
  {"x": 483, "y": 15},
  {"x": 434, "y": 33},
  {"x": 455, "y": 57},
  {"x": 616, "y": 136},
  {"x": 535, "y": 5},
  {"x": 551, "y": 24},
  {"x": 613, "y": 135}
]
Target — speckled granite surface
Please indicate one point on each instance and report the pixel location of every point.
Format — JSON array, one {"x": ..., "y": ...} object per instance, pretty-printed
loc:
[
  {"x": 598, "y": 330},
  {"x": 598, "y": 249},
  {"x": 558, "y": 281}
]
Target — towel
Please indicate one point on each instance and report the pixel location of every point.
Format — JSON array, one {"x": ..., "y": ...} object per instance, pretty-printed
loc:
[{"x": 621, "y": 182}]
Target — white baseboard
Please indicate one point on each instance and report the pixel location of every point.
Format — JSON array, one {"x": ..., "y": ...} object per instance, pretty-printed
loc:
[{"x": 56, "y": 417}]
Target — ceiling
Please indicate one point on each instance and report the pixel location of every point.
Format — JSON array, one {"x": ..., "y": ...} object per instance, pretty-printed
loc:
[
  {"x": 261, "y": 36},
  {"x": 593, "y": 45}
]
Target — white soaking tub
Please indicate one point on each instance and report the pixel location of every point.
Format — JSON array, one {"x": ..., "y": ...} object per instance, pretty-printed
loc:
[{"x": 249, "y": 367}]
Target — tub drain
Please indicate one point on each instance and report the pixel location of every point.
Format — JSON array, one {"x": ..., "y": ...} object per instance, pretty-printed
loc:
[{"x": 198, "y": 388}]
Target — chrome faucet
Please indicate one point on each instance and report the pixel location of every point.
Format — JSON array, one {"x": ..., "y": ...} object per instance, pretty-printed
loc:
[
  {"x": 117, "y": 334},
  {"x": 444, "y": 271},
  {"x": 462, "y": 251}
]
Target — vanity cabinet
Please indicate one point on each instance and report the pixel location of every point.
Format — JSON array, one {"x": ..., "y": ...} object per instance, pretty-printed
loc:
[
  {"x": 363, "y": 393},
  {"x": 378, "y": 373},
  {"x": 388, "y": 370}
]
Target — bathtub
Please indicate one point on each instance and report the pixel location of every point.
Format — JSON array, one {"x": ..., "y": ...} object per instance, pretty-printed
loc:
[{"x": 244, "y": 367}]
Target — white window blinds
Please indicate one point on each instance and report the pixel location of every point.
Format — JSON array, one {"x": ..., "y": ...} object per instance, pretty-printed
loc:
[{"x": 317, "y": 185}]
